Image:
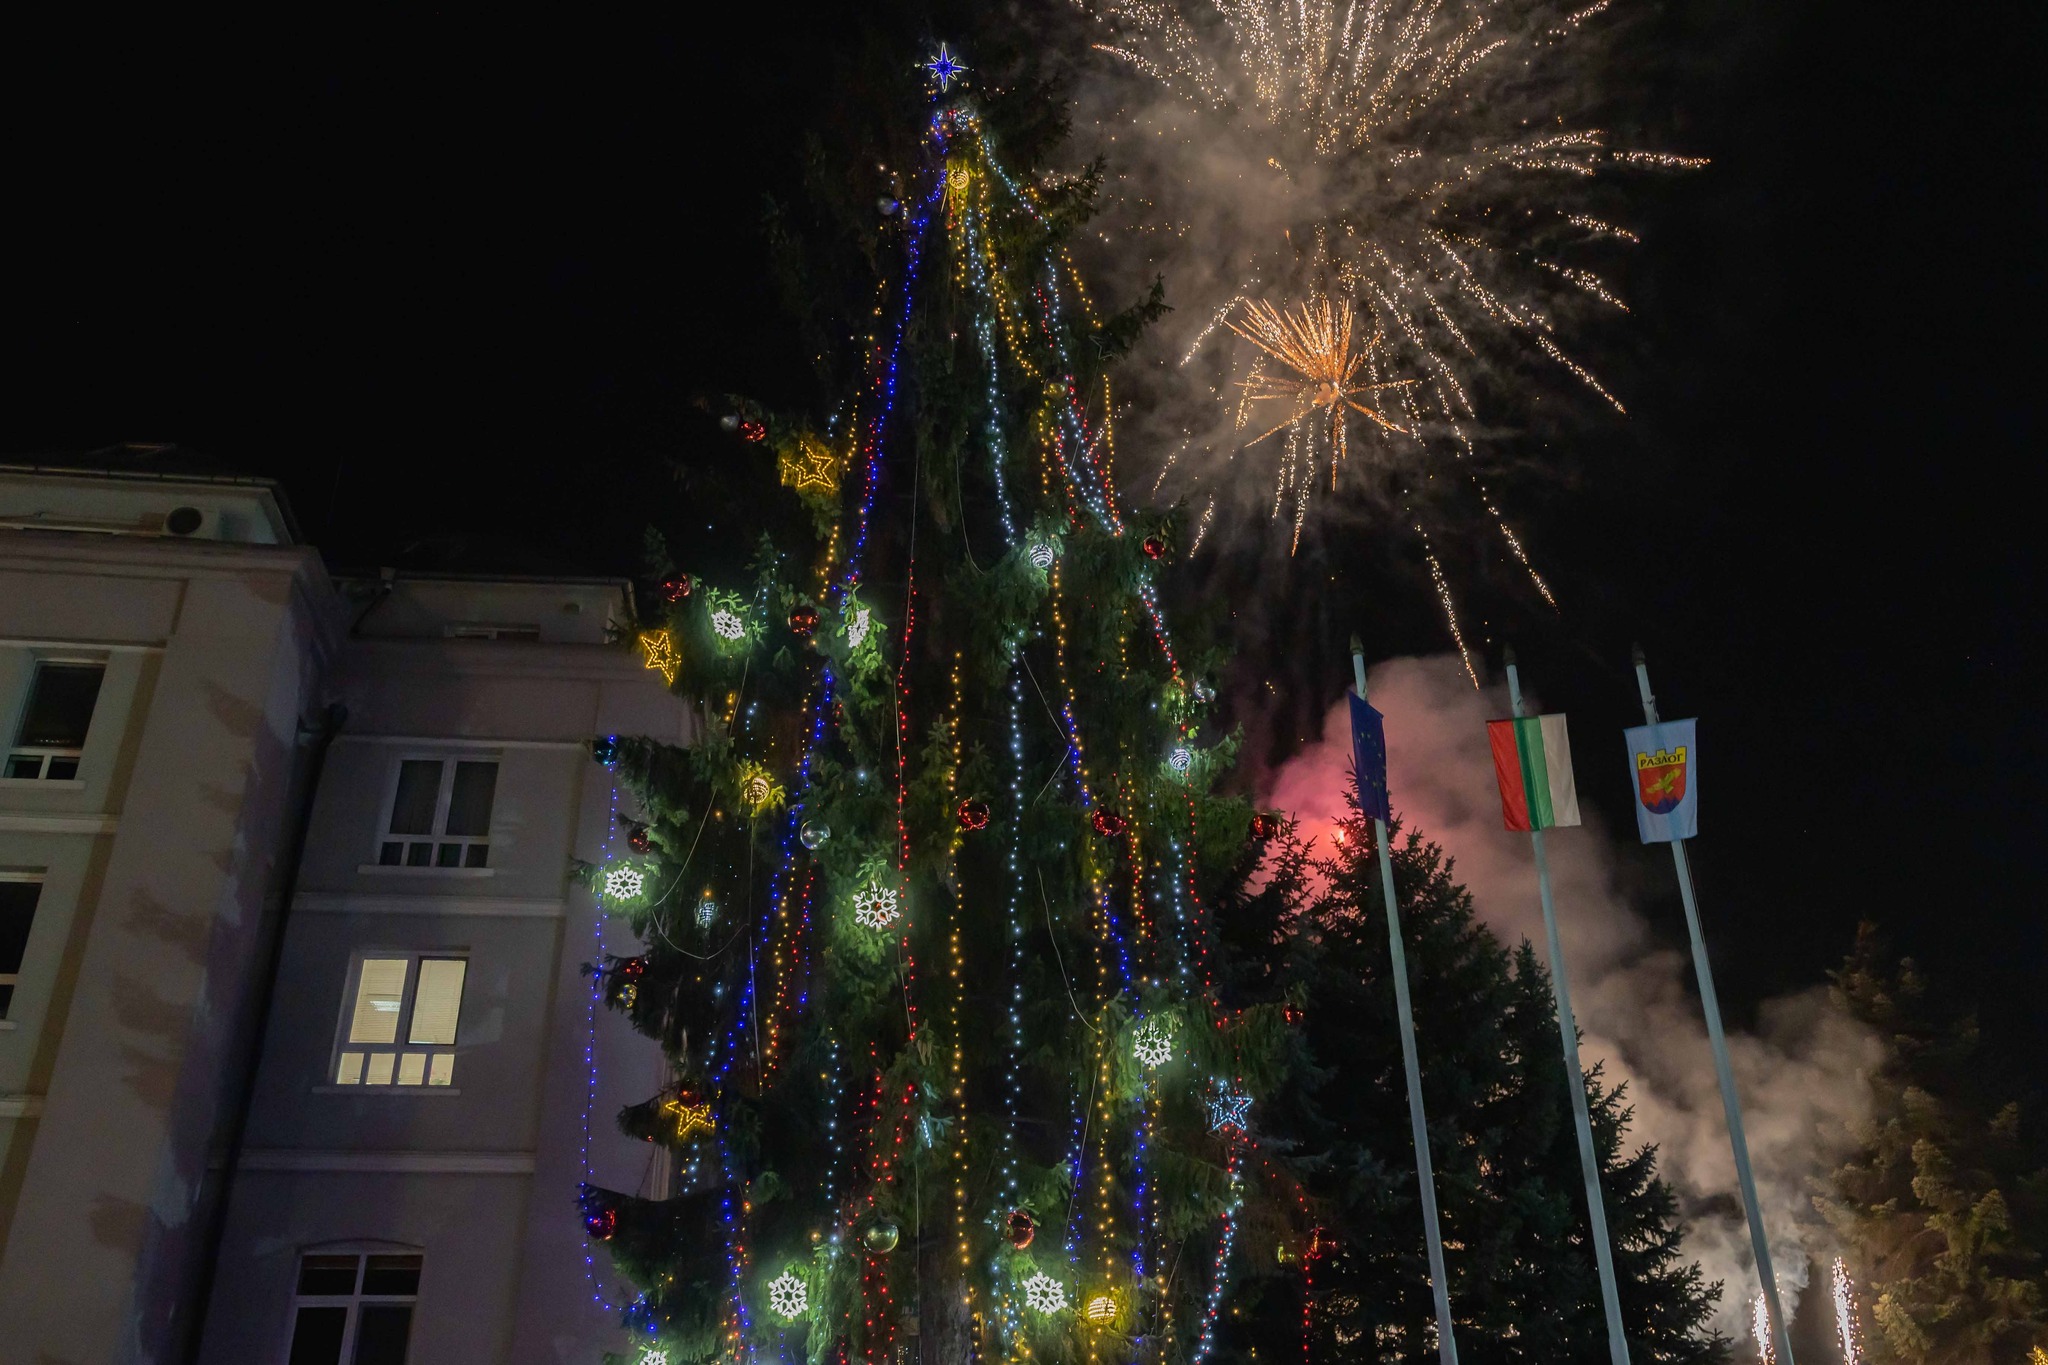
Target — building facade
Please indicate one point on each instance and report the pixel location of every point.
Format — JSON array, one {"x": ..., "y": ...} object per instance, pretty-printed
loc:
[{"x": 298, "y": 1060}]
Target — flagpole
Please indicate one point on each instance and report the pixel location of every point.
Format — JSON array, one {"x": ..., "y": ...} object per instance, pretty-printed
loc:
[
  {"x": 1575, "y": 1080},
  {"x": 1730, "y": 1103},
  {"x": 1446, "y": 1335}
]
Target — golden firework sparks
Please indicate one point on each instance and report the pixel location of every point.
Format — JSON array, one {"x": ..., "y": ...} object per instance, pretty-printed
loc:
[{"x": 1313, "y": 341}]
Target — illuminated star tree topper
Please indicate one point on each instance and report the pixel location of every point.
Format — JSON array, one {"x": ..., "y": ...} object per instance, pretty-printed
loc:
[{"x": 945, "y": 68}]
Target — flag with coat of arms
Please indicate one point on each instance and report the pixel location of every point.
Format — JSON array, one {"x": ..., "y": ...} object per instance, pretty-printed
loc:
[{"x": 1663, "y": 762}]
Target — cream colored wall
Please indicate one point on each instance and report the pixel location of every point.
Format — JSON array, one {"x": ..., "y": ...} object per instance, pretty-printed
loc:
[{"x": 160, "y": 859}]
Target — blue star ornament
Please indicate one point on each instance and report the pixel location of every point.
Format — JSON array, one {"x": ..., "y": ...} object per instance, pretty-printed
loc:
[
  {"x": 944, "y": 68},
  {"x": 1230, "y": 1109}
]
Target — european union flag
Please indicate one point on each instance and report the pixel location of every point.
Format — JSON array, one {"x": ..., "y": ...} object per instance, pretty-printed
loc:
[{"x": 1369, "y": 752}]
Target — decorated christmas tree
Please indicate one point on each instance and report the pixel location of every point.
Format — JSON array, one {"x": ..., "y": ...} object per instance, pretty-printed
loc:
[{"x": 927, "y": 905}]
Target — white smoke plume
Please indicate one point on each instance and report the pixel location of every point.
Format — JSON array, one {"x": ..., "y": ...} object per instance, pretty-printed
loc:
[{"x": 1801, "y": 1073}]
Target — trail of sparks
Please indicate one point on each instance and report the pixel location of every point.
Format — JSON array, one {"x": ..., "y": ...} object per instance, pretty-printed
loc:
[{"x": 1846, "y": 1330}]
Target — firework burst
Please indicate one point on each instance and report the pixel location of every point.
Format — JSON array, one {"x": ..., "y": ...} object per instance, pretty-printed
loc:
[
  {"x": 1319, "y": 375},
  {"x": 1406, "y": 160}
]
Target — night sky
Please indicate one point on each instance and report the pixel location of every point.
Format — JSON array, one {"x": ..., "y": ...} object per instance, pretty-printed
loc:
[{"x": 458, "y": 286}]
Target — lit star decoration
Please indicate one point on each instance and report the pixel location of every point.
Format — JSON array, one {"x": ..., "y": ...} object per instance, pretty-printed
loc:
[
  {"x": 811, "y": 467},
  {"x": 944, "y": 68},
  {"x": 660, "y": 649},
  {"x": 788, "y": 1295},
  {"x": 1045, "y": 1294},
  {"x": 690, "y": 1119},
  {"x": 1153, "y": 1044},
  {"x": 1230, "y": 1109},
  {"x": 624, "y": 884},
  {"x": 874, "y": 907}
]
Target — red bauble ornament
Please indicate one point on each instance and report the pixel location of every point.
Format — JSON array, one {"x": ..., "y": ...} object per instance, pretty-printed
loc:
[
  {"x": 1107, "y": 822},
  {"x": 804, "y": 619},
  {"x": 973, "y": 814},
  {"x": 675, "y": 588},
  {"x": 1153, "y": 547},
  {"x": 751, "y": 430},
  {"x": 639, "y": 840},
  {"x": 1293, "y": 1013},
  {"x": 1021, "y": 1229},
  {"x": 603, "y": 1224},
  {"x": 1264, "y": 825},
  {"x": 631, "y": 968}
]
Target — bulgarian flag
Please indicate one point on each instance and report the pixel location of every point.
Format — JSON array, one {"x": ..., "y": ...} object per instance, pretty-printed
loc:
[{"x": 1532, "y": 757}]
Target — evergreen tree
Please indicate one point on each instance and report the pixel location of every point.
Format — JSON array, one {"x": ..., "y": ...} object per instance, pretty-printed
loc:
[
  {"x": 1523, "y": 1286},
  {"x": 926, "y": 905},
  {"x": 1944, "y": 1210}
]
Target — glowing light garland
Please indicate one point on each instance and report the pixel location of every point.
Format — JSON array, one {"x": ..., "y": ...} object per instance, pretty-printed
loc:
[{"x": 1216, "y": 1274}]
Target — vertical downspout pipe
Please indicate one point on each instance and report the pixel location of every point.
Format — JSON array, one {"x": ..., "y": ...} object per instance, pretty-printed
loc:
[{"x": 320, "y": 736}]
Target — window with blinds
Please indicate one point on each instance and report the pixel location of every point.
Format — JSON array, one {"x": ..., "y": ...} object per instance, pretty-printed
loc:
[
  {"x": 440, "y": 814},
  {"x": 400, "y": 1019}
]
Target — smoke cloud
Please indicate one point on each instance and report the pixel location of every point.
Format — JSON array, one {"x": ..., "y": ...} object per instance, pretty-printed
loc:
[{"x": 1800, "y": 1074}]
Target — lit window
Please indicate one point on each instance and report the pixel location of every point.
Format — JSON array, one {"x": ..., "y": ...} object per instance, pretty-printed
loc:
[
  {"x": 440, "y": 814},
  {"x": 354, "y": 1307},
  {"x": 18, "y": 893},
  {"x": 399, "y": 1027},
  {"x": 51, "y": 735}
]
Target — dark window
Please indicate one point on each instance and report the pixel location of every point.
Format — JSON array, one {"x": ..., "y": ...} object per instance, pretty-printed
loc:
[
  {"x": 17, "y": 912},
  {"x": 54, "y": 722},
  {"x": 419, "y": 790},
  {"x": 443, "y": 808},
  {"x": 469, "y": 805},
  {"x": 354, "y": 1309},
  {"x": 327, "y": 1275},
  {"x": 60, "y": 703},
  {"x": 392, "y": 1275},
  {"x": 381, "y": 1332},
  {"x": 317, "y": 1334}
]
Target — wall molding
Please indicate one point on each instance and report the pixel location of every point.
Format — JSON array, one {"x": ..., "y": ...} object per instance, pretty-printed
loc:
[
  {"x": 308, "y": 1160},
  {"x": 21, "y": 1106},
  {"x": 394, "y": 903},
  {"x": 24, "y": 822},
  {"x": 431, "y": 742}
]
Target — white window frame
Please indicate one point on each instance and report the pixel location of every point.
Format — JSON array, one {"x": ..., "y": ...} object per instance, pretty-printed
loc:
[
  {"x": 40, "y": 879},
  {"x": 352, "y": 1302},
  {"x": 442, "y": 799},
  {"x": 45, "y": 754},
  {"x": 399, "y": 1047}
]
